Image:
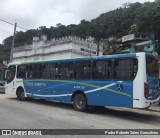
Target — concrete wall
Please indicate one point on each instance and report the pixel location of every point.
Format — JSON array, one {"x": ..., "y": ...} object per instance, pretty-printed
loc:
[{"x": 62, "y": 48}]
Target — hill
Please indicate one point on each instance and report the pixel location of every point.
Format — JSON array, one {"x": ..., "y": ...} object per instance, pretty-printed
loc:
[{"x": 145, "y": 16}]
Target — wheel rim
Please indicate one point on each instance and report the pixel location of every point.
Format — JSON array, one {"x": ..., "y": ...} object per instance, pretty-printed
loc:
[
  {"x": 22, "y": 95},
  {"x": 79, "y": 103}
]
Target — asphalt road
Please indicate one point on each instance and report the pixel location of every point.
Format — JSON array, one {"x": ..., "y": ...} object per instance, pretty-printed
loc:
[{"x": 36, "y": 114}]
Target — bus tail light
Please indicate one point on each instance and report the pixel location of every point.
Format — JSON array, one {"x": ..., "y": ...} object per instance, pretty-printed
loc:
[{"x": 146, "y": 91}]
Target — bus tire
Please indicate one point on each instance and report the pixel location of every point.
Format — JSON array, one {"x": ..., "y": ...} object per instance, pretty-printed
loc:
[
  {"x": 21, "y": 95},
  {"x": 80, "y": 102}
]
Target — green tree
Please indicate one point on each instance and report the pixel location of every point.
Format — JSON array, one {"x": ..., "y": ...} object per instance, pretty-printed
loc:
[
  {"x": 148, "y": 19},
  {"x": 145, "y": 16}
]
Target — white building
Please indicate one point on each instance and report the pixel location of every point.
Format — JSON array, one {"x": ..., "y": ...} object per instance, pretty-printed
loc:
[{"x": 61, "y": 48}]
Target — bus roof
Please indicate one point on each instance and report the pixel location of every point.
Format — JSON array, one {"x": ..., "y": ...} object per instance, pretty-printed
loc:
[{"x": 85, "y": 58}]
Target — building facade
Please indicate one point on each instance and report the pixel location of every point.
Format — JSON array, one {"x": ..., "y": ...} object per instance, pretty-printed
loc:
[
  {"x": 139, "y": 43},
  {"x": 60, "y": 48}
]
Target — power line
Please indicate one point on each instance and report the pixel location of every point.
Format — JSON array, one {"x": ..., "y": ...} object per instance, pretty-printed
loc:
[{"x": 13, "y": 24}]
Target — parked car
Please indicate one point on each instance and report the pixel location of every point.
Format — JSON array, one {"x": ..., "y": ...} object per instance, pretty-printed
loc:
[
  {"x": 2, "y": 86},
  {"x": 159, "y": 89}
]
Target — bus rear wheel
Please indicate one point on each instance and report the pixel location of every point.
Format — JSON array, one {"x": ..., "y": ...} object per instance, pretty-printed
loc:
[
  {"x": 21, "y": 95},
  {"x": 80, "y": 102}
]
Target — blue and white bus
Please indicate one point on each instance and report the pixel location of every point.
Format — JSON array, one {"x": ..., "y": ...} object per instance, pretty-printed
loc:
[{"x": 122, "y": 80}]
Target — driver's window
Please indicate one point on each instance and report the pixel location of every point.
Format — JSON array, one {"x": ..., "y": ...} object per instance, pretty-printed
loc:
[{"x": 11, "y": 73}]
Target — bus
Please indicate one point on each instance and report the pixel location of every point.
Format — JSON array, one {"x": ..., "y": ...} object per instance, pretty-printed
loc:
[{"x": 121, "y": 80}]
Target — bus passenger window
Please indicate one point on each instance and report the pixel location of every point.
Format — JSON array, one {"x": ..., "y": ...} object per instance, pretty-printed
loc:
[
  {"x": 21, "y": 71},
  {"x": 50, "y": 71},
  {"x": 125, "y": 69},
  {"x": 66, "y": 70},
  {"x": 82, "y": 70},
  {"x": 35, "y": 71},
  {"x": 102, "y": 69}
]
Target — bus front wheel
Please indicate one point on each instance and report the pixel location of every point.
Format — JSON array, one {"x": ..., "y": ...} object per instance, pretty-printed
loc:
[
  {"x": 80, "y": 102},
  {"x": 21, "y": 95}
]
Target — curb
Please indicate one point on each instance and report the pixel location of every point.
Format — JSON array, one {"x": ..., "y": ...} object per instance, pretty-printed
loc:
[{"x": 155, "y": 108}]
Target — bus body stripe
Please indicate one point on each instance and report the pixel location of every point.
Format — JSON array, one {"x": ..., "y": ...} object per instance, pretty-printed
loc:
[
  {"x": 62, "y": 95},
  {"x": 93, "y": 90},
  {"x": 86, "y": 84}
]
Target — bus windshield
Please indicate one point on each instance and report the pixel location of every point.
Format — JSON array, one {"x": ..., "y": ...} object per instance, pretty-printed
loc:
[
  {"x": 11, "y": 73},
  {"x": 152, "y": 66}
]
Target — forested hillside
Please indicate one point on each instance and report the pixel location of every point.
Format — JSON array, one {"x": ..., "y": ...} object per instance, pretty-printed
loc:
[{"x": 145, "y": 16}]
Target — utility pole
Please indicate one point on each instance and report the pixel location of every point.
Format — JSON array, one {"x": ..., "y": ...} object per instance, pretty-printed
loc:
[
  {"x": 98, "y": 42},
  {"x": 13, "y": 40},
  {"x": 99, "y": 35}
]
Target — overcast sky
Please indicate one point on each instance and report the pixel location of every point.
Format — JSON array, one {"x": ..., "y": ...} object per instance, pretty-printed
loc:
[{"x": 32, "y": 14}]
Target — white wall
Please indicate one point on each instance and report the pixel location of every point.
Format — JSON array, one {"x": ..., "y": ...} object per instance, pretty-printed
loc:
[{"x": 69, "y": 47}]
